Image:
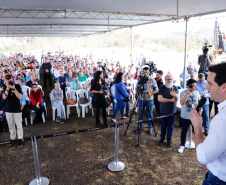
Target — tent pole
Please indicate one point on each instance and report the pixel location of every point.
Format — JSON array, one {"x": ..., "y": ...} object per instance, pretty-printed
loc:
[
  {"x": 185, "y": 53},
  {"x": 131, "y": 28}
]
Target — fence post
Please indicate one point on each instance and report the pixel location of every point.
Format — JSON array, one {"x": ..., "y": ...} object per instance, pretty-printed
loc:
[
  {"x": 38, "y": 180},
  {"x": 190, "y": 144},
  {"x": 116, "y": 165}
]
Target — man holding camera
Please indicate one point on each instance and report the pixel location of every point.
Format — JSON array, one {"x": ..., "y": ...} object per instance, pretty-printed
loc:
[
  {"x": 168, "y": 96},
  {"x": 12, "y": 95},
  {"x": 188, "y": 99},
  {"x": 205, "y": 60},
  {"x": 147, "y": 101}
]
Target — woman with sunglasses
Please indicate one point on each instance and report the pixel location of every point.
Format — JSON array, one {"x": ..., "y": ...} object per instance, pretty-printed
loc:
[{"x": 36, "y": 102}]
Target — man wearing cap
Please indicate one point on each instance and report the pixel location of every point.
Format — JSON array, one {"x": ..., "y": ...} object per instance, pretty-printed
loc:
[{"x": 146, "y": 99}]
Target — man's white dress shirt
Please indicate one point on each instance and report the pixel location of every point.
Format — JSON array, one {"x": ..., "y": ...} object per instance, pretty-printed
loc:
[{"x": 213, "y": 150}]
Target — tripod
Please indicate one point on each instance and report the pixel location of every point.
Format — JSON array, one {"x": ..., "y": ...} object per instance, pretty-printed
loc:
[{"x": 140, "y": 96}]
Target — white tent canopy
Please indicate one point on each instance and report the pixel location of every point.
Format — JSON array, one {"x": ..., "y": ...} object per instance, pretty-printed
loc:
[{"x": 75, "y": 18}]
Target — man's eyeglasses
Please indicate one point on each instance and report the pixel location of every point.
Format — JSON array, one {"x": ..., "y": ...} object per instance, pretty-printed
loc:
[{"x": 34, "y": 87}]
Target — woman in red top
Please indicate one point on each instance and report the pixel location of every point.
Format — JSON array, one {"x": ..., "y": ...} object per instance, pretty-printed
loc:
[
  {"x": 36, "y": 102},
  {"x": 137, "y": 74}
]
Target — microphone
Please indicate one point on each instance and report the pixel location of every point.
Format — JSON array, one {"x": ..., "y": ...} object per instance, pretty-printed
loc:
[{"x": 201, "y": 103}]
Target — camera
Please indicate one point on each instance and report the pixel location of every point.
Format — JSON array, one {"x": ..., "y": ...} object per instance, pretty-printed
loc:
[
  {"x": 190, "y": 86},
  {"x": 153, "y": 68},
  {"x": 142, "y": 80},
  {"x": 206, "y": 48},
  {"x": 11, "y": 82},
  {"x": 172, "y": 88},
  {"x": 103, "y": 88}
]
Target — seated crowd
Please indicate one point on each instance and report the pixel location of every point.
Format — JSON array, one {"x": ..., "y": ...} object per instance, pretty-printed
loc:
[{"x": 109, "y": 86}]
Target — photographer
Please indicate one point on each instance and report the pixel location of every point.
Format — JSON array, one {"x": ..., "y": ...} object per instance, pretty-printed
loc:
[
  {"x": 97, "y": 88},
  {"x": 147, "y": 101},
  {"x": 205, "y": 60},
  {"x": 12, "y": 94},
  {"x": 188, "y": 99},
  {"x": 168, "y": 96}
]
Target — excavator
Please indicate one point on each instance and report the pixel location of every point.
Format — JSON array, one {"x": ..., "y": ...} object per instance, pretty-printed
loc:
[{"x": 219, "y": 49}]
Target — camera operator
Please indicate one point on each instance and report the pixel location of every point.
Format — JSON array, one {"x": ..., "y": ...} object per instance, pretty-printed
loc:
[
  {"x": 168, "y": 96},
  {"x": 12, "y": 94},
  {"x": 147, "y": 101},
  {"x": 205, "y": 60},
  {"x": 188, "y": 99}
]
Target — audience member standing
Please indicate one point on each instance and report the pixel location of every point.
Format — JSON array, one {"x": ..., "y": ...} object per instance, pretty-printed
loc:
[
  {"x": 159, "y": 81},
  {"x": 168, "y": 96},
  {"x": 12, "y": 94},
  {"x": 188, "y": 99},
  {"x": 120, "y": 95},
  {"x": 201, "y": 88},
  {"x": 205, "y": 60},
  {"x": 46, "y": 67},
  {"x": 97, "y": 88}
]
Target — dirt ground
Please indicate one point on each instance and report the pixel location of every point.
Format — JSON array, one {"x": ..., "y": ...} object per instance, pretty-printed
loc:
[{"x": 83, "y": 158}]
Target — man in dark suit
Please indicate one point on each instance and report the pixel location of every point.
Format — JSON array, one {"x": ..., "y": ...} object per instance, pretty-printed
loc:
[
  {"x": 46, "y": 67},
  {"x": 159, "y": 81}
]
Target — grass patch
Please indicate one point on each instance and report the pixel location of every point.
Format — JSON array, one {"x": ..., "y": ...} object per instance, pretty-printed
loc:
[
  {"x": 146, "y": 171},
  {"x": 198, "y": 182},
  {"x": 159, "y": 168},
  {"x": 99, "y": 137},
  {"x": 178, "y": 179}
]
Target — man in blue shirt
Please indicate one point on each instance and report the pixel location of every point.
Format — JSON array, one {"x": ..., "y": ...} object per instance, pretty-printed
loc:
[
  {"x": 147, "y": 100},
  {"x": 200, "y": 87}
]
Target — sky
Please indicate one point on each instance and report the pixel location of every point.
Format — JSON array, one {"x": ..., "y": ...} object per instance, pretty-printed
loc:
[{"x": 167, "y": 28}]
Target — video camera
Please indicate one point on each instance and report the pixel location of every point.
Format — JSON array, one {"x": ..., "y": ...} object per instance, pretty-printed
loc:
[
  {"x": 206, "y": 48},
  {"x": 142, "y": 79}
]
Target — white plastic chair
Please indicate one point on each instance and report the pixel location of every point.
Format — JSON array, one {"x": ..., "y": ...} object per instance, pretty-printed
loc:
[
  {"x": 32, "y": 116},
  {"x": 89, "y": 79},
  {"x": 24, "y": 90},
  {"x": 84, "y": 93},
  {"x": 68, "y": 92},
  {"x": 54, "y": 112},
  {"x": 86, "y": 84}
]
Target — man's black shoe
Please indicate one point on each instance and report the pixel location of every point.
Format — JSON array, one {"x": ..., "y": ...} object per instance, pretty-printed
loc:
[
  {"x": 150, "y": 131},
  {"x": 137, "y": 131},
  {"x": 106, "y": 124},
  {"x": 160, "y": 142},
  {"x": 127, "y": 115},
  {"x": 10, "y": 143},
  {"x": 20, "y": 143},
  {"x": 98, "y": 125},
  {"x": 169, "y": 144}
]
